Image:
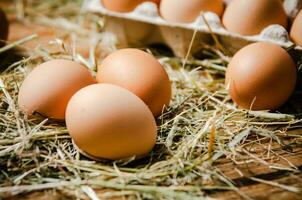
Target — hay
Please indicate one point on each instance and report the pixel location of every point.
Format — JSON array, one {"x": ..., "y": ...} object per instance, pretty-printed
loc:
[{"x": 200, "y": 127}]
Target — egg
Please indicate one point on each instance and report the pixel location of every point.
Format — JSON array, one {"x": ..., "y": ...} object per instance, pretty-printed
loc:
[
  {"x": 48, "y": 88},
  {"x": 296, "y": 30},
  {"x": 3, "y": 26},
  {"x": 250, "y": 17},
  {"x": 261, "y": 76},
  {"x": 140, "y": 73},
  {"x": 187, "y": 11},
  {"x": 121, "y": 5},
  {"x": 155, "y": 1},
  {"x": 109, "y": 122}
]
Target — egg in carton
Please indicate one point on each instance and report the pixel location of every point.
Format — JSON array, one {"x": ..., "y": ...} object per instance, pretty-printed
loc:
[{"x": 144, "y": 26}]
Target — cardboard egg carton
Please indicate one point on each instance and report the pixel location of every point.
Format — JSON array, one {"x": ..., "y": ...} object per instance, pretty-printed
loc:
[{"x": 144, "y": 26}]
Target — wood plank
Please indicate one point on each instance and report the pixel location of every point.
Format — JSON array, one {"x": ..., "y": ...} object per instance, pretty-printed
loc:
[
  {"x": 261, "y": 191},
  {"x": 256, "y": 168}
]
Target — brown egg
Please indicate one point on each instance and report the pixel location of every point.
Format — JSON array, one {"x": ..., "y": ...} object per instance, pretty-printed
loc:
[
  {"x": 48, "y": 88},
  {"x": 250, "y": 17},
  {"x": 155, "y": 1},
  {"x": 121, "y": 5},
  {"x": 3, "y": 27},
  {"x": 261, "y": 76},
  {"x": 296, "y": 30},
  {"x": 187, "y": 11},
  {"x": 140, "y": 73},
  {"x": 109, "y": 122}
]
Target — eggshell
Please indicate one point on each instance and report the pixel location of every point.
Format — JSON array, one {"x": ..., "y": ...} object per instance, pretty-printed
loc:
[
  {"x": 109, "y": 122},
  {"x": 261, "y": 76},
  {"x": 187, "y": 11},
  {"x": 48, "y": 88},
  {"x": 121, "y": 5},
  {"x": 155, "y": 1},
  {"x": 250, "y": 17},
  {"x": 3, "y": 26},
  {"x": 296, "y": 30},
  {"x": 140, "y": 73}
]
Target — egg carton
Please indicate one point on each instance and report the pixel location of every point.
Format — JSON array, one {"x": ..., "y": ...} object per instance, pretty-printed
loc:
[{"x": 144, "y": 26}]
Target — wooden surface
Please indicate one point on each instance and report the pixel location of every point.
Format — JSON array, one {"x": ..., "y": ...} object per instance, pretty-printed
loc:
[{"x": 239, "y": 173}]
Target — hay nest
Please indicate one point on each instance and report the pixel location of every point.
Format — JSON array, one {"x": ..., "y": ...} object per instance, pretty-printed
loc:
[{"x": 199, "y": 129}]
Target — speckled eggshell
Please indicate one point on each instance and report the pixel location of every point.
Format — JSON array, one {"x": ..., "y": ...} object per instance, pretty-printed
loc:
[
  {"x": 187, "y": 11},
  {"x": 261, "y": 76},
  {"x": 140, "y": 73},
  {"x": 3, "y": 27},
  {"x": 109, "y": 122},
  {"x": 250, "y": 17},
  {"x": 121, "y": 5},
  {"x": 48, "y": 88},
  {"x": 296, "y": 30}
]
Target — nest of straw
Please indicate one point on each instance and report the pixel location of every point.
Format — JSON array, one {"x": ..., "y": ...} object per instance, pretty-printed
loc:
[{"x": 201, "y": 126}]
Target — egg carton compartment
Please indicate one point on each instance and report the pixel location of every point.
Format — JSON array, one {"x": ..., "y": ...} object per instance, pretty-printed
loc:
[{"x": 144, "y": 26}]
